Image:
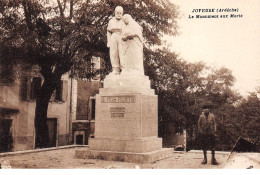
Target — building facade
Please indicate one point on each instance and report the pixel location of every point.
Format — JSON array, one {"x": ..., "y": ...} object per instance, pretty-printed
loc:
[
  {"x": 17, "y": 113},
  {"x": 83, "y": 104},
  {"x": 83, "y": 120}
]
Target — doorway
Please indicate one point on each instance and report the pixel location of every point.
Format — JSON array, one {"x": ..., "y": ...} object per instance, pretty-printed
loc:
[
  {"x": 79, "y": 139},
  {"x": 52, "y": 127},
  {"x": 6, "y": 136}
]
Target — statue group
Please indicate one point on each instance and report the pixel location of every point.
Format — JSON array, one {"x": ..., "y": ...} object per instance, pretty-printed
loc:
[
  {"x": 125, "y": 41},
  {"x": 126, "y": 115}
]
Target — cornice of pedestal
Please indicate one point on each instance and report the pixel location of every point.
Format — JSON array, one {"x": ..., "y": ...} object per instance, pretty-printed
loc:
[{"x": 127, "y": 84}]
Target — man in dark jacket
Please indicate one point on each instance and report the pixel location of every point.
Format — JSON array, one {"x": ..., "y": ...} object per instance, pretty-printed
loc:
[{"x": 207, "y": 134}]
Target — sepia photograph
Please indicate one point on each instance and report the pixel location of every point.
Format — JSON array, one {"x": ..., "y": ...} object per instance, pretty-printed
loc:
[{"x": 131, "y": 86}]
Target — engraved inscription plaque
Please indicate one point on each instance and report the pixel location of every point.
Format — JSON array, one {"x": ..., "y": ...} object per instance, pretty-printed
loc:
[
  {"x": 117, "y": 115},
  {"x": 117, "y": 112},
  {"x": 118, "y": 99},
  {"x": 117, "y": 109}
]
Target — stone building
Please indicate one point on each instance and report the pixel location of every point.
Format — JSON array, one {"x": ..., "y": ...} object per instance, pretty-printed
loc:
[
  {"x": 83, "y": 100},
  {"x": 71, "y": 111},
  {"x": 83, "y": 120},
  {"x": 17, "y": 112}
]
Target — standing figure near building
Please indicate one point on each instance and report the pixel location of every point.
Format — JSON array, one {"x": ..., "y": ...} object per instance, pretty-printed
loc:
[
  {"x": 114, "y": 40},
  {"x": 132, "y": 46},
  {"x": 207, "y": 134}
]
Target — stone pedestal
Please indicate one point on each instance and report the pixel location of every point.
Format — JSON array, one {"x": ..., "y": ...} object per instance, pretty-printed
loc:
[{"x": 126, "y": 121}]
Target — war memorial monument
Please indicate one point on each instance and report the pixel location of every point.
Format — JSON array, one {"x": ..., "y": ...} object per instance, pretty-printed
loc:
[{"x": 126, "y": 121}]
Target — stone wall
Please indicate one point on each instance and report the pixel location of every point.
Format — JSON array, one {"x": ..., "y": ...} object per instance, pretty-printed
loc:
[{"x": 23, "y": 122}]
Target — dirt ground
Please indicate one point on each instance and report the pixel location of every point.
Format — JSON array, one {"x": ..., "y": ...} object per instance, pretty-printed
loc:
[{"x": 65, "y": 159}]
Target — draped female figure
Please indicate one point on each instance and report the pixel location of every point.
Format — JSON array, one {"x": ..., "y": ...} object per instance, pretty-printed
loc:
[{"x": 132, "y": 47}]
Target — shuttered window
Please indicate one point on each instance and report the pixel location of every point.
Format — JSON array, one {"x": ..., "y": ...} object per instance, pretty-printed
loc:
[
  {"x": 60, "y": 94},
  {"x": 93, "y": 108},
  {"x": 30, "y": 87},
  {"x": 7, "y": 74}
]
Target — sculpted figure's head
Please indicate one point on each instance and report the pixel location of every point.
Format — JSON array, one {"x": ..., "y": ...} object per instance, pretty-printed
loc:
[
  {"x": 132, "y": 26},
  {"x": 119, "y": 12},
  {"x": 127, "y": 18}
]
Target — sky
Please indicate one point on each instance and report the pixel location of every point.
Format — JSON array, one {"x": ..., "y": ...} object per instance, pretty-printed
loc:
[{"x": 233, "y": 43}]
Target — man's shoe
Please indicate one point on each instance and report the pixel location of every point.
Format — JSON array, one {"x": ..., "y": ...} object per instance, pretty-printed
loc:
[
  {"x": 214, "y": 161},
  {"x": 204, "y": 162}
]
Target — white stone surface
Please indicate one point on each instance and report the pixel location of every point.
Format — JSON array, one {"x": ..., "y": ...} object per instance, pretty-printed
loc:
[
  {"x": 126, "y": 156},
  {"x": 126, "y": 122},
  {"x": 132, "y": 45},
  {"x": 114, "y": 40},
  {"x": 127, "y": 84},
  {"x": 138, "y": 120},
  {"x": 134, "y": 146}
]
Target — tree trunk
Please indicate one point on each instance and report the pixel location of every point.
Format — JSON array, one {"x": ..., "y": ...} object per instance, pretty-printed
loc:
[{"x": 42, "y": 102}]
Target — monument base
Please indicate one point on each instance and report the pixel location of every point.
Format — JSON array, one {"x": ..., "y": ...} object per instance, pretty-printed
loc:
[
  {"x": 126, "y": 156},
  {"x": 126, "y": 122},
  {"x": 134, "y": 146}
]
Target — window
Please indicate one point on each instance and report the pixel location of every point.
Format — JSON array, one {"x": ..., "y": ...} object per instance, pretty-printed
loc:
[
  {"x": 7, "y": 75},
  {"x": 30, "y": 87},
  {"x": 61, "y": 92},
  {"x": 92, "y": 107},
  {"x": 58, "y": 92},
  {"x": 35, "y": 87}
]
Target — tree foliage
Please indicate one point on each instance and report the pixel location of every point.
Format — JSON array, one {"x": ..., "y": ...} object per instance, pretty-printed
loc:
[
  {"x": 183, "y": 88},
  {"x": 247, "y": 116},
  {"x": 61, "y": 36}
]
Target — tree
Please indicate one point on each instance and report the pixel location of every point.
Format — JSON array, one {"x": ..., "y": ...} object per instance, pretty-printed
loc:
[
  {"x": 166, "y": 72},
  {"x": 60, "y": 35},
  {"x": 183, "y": 88},
  {"x": 177, "y": 84},
  {"x": 248, "y": 117},
  {"x": 216, "y": 90}
]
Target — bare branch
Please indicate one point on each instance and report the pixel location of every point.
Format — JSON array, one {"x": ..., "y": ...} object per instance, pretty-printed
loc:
[
  {"x": 60, "y": 7},
  {"x": 71, "y": 9},
  {"x": 64, "y": 5},
  {"x": 27, "y": 14}
]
